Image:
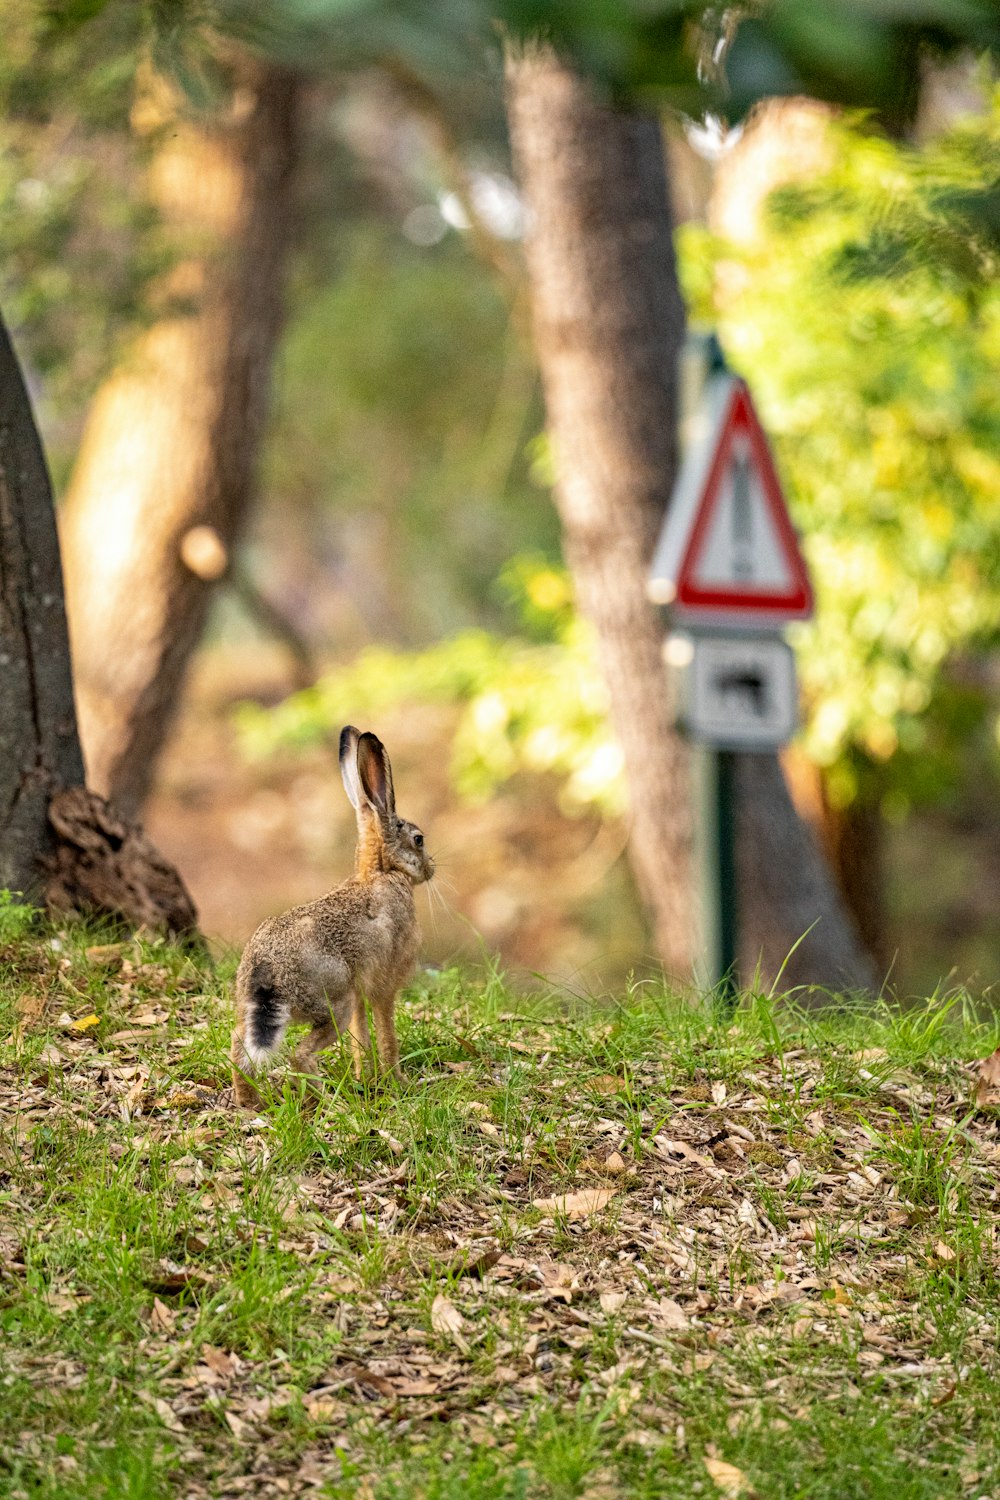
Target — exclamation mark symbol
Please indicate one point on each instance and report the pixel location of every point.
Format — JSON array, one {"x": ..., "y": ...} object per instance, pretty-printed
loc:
[{"x": 742, "y": 519}]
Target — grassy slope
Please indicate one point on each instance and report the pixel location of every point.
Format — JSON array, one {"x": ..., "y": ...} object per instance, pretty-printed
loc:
[{"x": 795, "y": 1272}]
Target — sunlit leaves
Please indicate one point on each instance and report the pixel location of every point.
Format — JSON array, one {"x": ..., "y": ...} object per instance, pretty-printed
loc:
[
  {"x": 872, "y": 343},
  {"x": 537, "y": 706}
]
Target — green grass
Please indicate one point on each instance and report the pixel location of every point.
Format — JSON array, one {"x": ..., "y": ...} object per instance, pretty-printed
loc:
[{"x": 795, "y": 1271}]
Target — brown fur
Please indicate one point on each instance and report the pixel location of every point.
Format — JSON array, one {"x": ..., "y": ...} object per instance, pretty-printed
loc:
[{"x": 322, "y": 962}]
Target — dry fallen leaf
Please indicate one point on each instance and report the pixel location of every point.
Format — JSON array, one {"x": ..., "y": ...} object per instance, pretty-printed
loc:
[
  {"x": 605, "y": 1083},
  {"x": 105, "y": 955},
  {"x": 612, "y": 1302},
  {"x": 162, "y": 1318},
  {"x": 575, "y": 1205},
  {"x": 218, "y": 1360},
  {"x": 171, "y": 1278},
  {"x": 322, "y": 1409},
  {"x": 417, "y": 1387},
  {"x": 727, "y": 1477},
  {"x": 164, "y": 1411},
  {"x": 445, "y": 1317},
  {"x": 362, "y": 1376},
  {"x": 671, "y": 1315},
  {"x": 30, "y": 1007},
  {"x": 149, "y": 1015},
  {"x": 668, "y": 1148},
  {"x": 475, "y": 1262},
  {"x": 987, "y": 1094},
  {"x": 240, "y": 1430},
  {"x": 944, "y": 1252}
]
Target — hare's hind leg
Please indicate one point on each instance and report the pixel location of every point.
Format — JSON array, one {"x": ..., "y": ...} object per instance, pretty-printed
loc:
[
  {"x": 261, "y": 1018},
  {"x": 245, "y": 1091},
  {"x": 324, "y": 1033},
  {"x": 306, "y": 1060}
]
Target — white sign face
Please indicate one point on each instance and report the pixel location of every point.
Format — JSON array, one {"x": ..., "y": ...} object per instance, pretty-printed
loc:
[
  {"x": 736, "y": 692},
  {"x": 742, "y": 548},
  {"x": 728, "y": 550}
]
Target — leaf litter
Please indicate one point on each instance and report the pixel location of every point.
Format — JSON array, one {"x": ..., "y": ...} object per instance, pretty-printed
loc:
[{"x": 414, "y": 1281}]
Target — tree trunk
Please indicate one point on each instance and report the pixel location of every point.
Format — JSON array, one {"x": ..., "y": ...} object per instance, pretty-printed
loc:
[
  {"x": 608, "y": 329},
  {"x": 853, "y": 838},
  {"x": 57, "y": 840},
  {"x": 165, "y": 474},
  {"x": 792, "y": 917},
  {"x": 39, "y": 747},
  {"x": 608, "y": 325}
]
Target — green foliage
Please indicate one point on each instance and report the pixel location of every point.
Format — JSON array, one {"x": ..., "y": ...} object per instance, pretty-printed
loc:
[
  {"x": 15, "y": 916},
  {"x": 79, "y": 238},
  {"x": 191, "y": 1295},
  {"x": 527, "y": 705},
  {"x": 406, "y": 395},
  {"x": 861, "y": 53},
  {"x": 683, "y": 54},
  {"x": 867, "y": 321}
]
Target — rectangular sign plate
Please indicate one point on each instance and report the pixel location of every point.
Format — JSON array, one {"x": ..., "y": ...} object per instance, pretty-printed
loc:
[{"x": 734, "y": 692}]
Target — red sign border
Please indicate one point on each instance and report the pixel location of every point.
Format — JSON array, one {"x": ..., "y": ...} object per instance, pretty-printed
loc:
[{"x": 797, "y": 604}]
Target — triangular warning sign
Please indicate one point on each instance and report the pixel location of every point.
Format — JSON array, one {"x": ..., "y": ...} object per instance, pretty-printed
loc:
[{"x": 728, "y": 546}]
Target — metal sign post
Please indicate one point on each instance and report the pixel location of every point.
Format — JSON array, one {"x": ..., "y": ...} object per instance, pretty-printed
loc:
[{"x": 729, "y": 568}]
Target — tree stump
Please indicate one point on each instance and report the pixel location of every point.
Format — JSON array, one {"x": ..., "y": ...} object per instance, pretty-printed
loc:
[{"x": 104, "y": 865}]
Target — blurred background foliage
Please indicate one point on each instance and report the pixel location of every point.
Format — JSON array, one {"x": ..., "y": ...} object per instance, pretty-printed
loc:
[
  {"x": 866, "y": 314},
  {"x": 80, "y": 243},
  {"x": 887, "y": 430},
  {"x": 532, "y": 701}
]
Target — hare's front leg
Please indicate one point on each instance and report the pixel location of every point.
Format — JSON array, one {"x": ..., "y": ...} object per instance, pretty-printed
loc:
[
  {"x": 361, "y": 1038},
  {"x": 326, "y": 1030},
  {"x": 383, "y": 1010}
]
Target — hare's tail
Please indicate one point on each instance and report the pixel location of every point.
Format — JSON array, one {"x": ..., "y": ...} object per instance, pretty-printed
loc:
[{"x": 261, "y": 1021}]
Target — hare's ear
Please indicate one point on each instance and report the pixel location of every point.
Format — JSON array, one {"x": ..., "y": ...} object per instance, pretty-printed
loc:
[
  {"x": 349, "y": 765},
  {"x": 375, "y": 774}
]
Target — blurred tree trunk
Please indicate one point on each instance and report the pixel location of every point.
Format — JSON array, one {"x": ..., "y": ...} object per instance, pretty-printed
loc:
[
  {"x": 792, "y": 916},
  {"x": 609, "y": 325},
  {"x": 853, "y": 838},
  {"x": 39, "y": 747},
  {"x": 58, "y": 842},
  {"x": 787, "y": 140},
  {"x": 165, "y": 474}
]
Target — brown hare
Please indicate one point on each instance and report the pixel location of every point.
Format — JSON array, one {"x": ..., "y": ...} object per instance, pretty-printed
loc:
[{"x": 322, "y": 962}]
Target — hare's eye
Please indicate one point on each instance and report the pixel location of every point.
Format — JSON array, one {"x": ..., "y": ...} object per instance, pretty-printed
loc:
[{"x": 418, "y": 839}]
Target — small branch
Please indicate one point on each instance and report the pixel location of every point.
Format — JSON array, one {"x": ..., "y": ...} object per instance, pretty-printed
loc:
[{"x": 265, "y": 613}]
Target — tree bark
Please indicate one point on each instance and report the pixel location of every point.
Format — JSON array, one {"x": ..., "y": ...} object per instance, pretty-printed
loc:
[
  {"x": 609, "y": 323},
  {"x": 164, "y": 479},
  {"x": 39, "y": 746},
  {"x": 792, "y": 918},
  {"x": 104, "y": 865}
]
